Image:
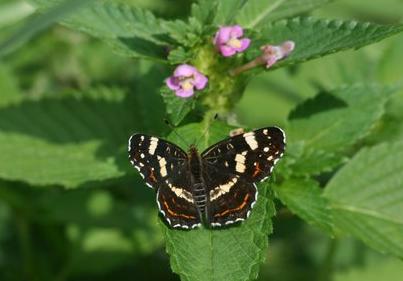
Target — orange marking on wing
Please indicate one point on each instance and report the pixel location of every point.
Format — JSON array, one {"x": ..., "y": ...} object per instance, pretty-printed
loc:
[
  {"x": 172, "y": 213},
  {"x": 152, "y": 176},
  {"x": 240, "y": 207},
  {"x": 257, "y": 170}
]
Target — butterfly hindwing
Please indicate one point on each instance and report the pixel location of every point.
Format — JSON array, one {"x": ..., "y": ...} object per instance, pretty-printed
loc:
[
  {"x": 230, "y": 197},
  {"x": 233, "y": 166},
  {"x": 178, "y": 209},
  {"x": 163, "y": 165}
]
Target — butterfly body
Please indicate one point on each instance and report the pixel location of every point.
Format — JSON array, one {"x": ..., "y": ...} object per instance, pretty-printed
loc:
[
  {"x": 216, "y": 187},
  {"x": 199, "y": 191}
]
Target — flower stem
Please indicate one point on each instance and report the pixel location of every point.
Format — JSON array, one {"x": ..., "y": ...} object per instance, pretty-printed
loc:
[{"x": 252, "y": 64}]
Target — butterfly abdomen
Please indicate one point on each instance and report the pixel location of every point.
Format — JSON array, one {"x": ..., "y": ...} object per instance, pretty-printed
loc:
[{"x": 198, "y": 186}]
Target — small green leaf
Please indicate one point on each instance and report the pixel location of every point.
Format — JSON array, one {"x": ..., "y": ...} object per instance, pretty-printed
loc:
[
  {"x": 328, "y": 125},
  {"x": 179, "y": 55},
  {"x": 225, "y": 11},
  {"x": 304, "y": 198},
  {"x": 257, "y": 12},
  {"x": 366, "y": 197},
  {"x": 233, "y": 253},
  {"x": 204, "y": 11},
  {"x": 176, "y": 107},
  {"x": 185, "y": 33},
  {"x": 316, "y": 38}
]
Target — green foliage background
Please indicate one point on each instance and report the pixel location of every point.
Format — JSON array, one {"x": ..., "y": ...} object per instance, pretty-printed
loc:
[{"x": 72, "y": 208}]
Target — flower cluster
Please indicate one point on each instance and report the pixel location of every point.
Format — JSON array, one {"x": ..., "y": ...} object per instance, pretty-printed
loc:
[{"x": 228, "y": 41}]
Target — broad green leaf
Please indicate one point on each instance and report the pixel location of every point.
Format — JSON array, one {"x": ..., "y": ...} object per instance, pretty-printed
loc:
[
  {"x": 328, "y": 125},
  {"x": 131, "y": 31},
  {"x": 13, "y": 12},
  {"x": 316, "y": 38},
  {"x": 387, "y": 10},
  {"x": 36, "y": 24},
  {"x": 304, "y": 198},
  {"x": 70, "y": 140},
  {"x": 388, "y": 68},
  {"x": 366, "y": 197},
  {"x": 233, "y": 253},
  {"x": 391, "y": 126},
  {"x": 152, "y": 110},
  {"x": 257, "y": 12}
]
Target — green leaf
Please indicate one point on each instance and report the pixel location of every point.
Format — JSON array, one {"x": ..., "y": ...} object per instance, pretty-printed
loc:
[
  {"x": 185, "y": 33},
  {"x": 13, "y": 12},
  {"x": 316, "y": 38},
  {"x": 233, "y": 253},
  {"x": 225, "y": 11},
  {"x": 257, "y": 12},
  {"x": 204, "y": 11},
  {"x": 304, "y": 198},
  {"x": 366, "y": 197},
  {"x": 131, "y": 31},
  {"x": 9, "y": 90},
  {"x": 328, "y": 125},
  {"x": 69, "y": 140},
  {"x": 178, "y": 56},
  {"x": 36, "y": 24},
  {"x": 177, "y": 108}
]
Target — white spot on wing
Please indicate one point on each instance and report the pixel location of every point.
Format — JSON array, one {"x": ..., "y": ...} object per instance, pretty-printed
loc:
[
  {"x": 153, "y": 145},
  {"x": 180, "y": 192},
  {"x": 163, "y": 168},
  {"x": 240, "y": 162},
  {"x": 222, "y": 189},
  {"x": 240, "y": 158},
  {"x": 240, "y": 167}
]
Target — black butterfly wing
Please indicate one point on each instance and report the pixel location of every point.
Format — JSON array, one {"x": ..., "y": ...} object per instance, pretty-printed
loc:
[
  {"x": 233, "y": 166},
  {"x": 163, "y": 165}
]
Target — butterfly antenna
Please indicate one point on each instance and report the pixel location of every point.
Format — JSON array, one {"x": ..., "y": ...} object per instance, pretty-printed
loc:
[
  {"x": 206, "y": 129},
  {"x": 173, "y": 128}
]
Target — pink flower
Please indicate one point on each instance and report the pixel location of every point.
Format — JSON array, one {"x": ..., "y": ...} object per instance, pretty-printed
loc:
[
  {"x": 228, "y": 40},
  {"x": 185, "y": 79},
  {"x": 273, "y": 53}
]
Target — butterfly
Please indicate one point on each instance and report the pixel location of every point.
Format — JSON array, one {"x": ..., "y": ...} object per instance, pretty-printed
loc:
[{"x": 214, "y": 188}]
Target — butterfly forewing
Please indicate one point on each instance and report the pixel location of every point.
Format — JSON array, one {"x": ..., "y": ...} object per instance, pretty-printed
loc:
[
  {"x": 164, "y": 167},
  {"x": 231, "y": 168}
]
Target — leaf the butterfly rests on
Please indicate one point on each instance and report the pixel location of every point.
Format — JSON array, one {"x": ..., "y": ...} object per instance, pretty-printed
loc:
[{"x": 216, "y": 187}]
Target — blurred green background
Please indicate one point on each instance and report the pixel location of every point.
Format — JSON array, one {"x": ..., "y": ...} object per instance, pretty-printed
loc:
[{"x": 110, "y": 231}]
